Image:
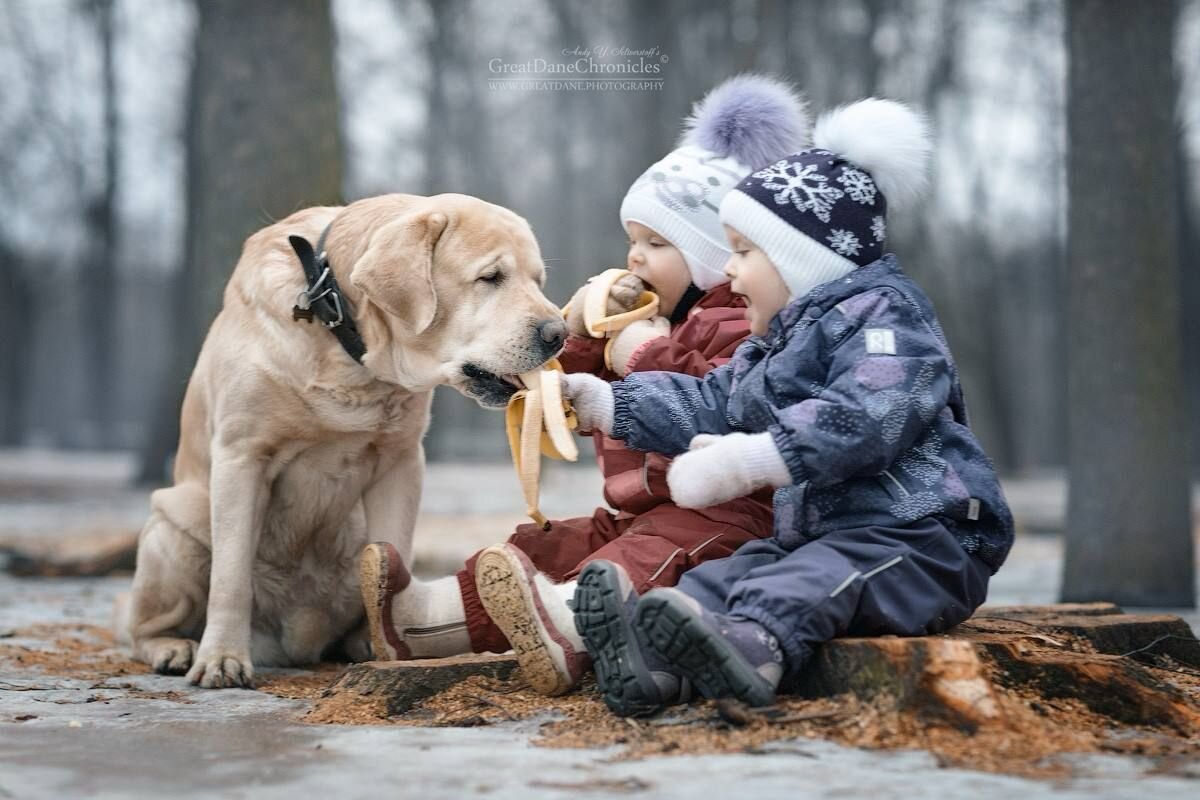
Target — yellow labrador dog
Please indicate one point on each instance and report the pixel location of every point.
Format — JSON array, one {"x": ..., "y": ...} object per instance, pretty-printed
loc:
[{"x": 301, "y": 442}]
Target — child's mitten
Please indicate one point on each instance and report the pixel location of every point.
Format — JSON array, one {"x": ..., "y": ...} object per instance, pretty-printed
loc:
[
  {"x": 622, "y": 297},
  {"x": 630, "y": 340},
  {"x": 592, "y": 400},
  {"x": 720, "y": 468}
]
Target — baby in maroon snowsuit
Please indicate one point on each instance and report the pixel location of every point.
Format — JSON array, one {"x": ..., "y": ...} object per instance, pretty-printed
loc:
[{"x": 515, "y": 595}]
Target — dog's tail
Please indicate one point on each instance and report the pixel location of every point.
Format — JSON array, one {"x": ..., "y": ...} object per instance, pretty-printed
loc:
[
  {"x": 122, "y": 619},
  {"x": 121, "y": 622}
]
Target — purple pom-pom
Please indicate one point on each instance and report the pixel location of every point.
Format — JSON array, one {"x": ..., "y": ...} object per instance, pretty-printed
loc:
[{"x": 751, "y": 118}]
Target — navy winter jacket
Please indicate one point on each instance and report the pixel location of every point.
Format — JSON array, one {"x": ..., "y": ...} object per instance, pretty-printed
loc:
[{"x": 858, "y": 389}]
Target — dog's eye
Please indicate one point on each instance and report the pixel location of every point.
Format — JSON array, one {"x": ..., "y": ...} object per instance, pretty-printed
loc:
[{"x": 494, "y": 278}]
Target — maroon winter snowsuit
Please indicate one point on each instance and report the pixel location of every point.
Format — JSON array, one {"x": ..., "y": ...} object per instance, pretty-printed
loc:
[{"x": 651, "y": 537}]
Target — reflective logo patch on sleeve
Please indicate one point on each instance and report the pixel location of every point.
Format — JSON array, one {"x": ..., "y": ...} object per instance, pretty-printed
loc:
[
  {"x": 881, "y": 341},
  {"x": 973, "y": 508}
]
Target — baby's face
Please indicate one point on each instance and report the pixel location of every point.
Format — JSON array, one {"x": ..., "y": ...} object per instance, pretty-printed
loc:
[
  {"x": 755, "y": 278},
  {"x": 659, "y": 263}
]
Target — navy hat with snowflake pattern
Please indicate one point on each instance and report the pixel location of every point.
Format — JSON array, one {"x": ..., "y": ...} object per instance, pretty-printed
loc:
[
  {"x": 821, "y": 213},
  {"x": 744, "y": 121}
]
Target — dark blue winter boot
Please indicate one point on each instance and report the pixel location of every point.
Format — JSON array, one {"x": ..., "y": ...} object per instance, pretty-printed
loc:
[
  {"x": 722, "y": 656},
  {"x": 631, "y": 679}
]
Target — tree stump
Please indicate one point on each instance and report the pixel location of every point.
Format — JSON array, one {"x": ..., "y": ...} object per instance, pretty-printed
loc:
[
  {"x": 1111, "y": 662},
  {"x": 1008, "y": 691},
  {"x": 403, "y": 684},
  {"x": 89, "y": 554},
  {"x": 1093, "y": 653}
]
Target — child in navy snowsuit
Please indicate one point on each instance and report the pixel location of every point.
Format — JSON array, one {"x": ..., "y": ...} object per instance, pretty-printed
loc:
[{"x": 889, "y": 518}]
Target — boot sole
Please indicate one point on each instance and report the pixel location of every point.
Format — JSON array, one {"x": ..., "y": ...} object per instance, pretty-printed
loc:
[
  {"x": 667, "y": 624},
  {"x": 377, "y": 572},
  {"x": 621, "y": 673},
  {"x": 506, "y": 592}
]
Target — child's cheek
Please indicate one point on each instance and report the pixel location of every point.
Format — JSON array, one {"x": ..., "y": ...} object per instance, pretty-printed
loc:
[{"x": 757, "y": 326}]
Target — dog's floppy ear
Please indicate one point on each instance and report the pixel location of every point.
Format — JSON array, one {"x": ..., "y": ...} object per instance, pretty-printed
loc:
[{"x": 396, "y": 271}]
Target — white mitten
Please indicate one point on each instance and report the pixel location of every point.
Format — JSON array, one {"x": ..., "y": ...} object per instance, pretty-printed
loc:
[
  {"x": 720, "y": 468},
  {"x": 592, "y": 400},
  {"x": 634, "y": 335},
  {"x": 574, "y": 316}
]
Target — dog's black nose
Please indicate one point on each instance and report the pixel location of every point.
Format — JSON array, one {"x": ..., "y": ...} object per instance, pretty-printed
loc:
[{"x": 553, "y": 333}]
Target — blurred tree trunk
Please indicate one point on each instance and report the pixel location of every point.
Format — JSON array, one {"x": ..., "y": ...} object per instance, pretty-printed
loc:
[
  {"x": 262, "y": 141},
  {"x": 1129, "y": 535},
  {"x": 1189, "y": 254},
  {"x": 448, "y": 164},
  {"x": 16, "y": 332},
  {"x": 100, "y": 302}
]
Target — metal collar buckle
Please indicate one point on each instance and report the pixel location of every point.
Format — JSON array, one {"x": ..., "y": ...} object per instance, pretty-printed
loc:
[{"x": 306, "y": 297}]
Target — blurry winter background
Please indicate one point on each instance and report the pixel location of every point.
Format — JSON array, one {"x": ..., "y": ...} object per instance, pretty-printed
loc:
[{"x": 142, "y": 140}]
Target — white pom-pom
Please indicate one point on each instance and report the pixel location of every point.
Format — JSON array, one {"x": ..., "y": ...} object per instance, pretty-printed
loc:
[{"x": 887, "y": 139}]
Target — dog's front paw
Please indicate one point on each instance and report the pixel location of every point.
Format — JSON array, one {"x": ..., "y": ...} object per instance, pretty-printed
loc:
[{"x": 220, "y": 668}]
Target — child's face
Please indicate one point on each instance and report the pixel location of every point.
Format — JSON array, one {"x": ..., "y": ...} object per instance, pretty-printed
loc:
[
  {"x": 659, "y": 263},
  {"x": 755, "y": 278}
]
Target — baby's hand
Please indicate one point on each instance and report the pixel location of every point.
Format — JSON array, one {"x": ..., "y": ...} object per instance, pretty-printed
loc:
[
  {"x": 592, "y": 399},
  {"x": 721, "y": 468},
  {"x": 622, "y": 297},
  {"x": 625, "y": 294},
  {"x": 629, "y": 340}
]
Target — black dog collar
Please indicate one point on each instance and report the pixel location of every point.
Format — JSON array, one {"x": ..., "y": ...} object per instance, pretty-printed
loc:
[{"x": 322, "y": 298}]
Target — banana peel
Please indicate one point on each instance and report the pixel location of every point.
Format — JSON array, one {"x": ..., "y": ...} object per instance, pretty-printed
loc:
[
  {"x": 539, "y": 422},
  {"x": 595, "y": 309}
]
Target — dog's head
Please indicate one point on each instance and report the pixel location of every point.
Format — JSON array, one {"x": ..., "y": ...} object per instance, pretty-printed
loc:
[{"x": 452, "y": 289}]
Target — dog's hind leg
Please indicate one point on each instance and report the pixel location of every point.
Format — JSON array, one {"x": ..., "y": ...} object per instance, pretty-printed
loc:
[
  {"x": 306, "y": 633},
  {"x": 164, "y": 615},
  {"x": 355, "y": 646},
  {"x": 167, "y": 655}
]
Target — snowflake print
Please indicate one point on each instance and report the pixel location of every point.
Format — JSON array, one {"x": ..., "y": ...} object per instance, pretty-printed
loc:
[
  {"x": 844, "y": 242},
  {"x": 878, "y": 228},
  {"x": 859, "y": 186},
  {"x": 800, "y": 185}
]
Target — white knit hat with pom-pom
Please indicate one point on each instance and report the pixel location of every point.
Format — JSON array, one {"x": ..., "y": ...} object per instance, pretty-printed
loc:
[
  {"x": 746, "y": 120},
  {"x": 820, "y": 213}
]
